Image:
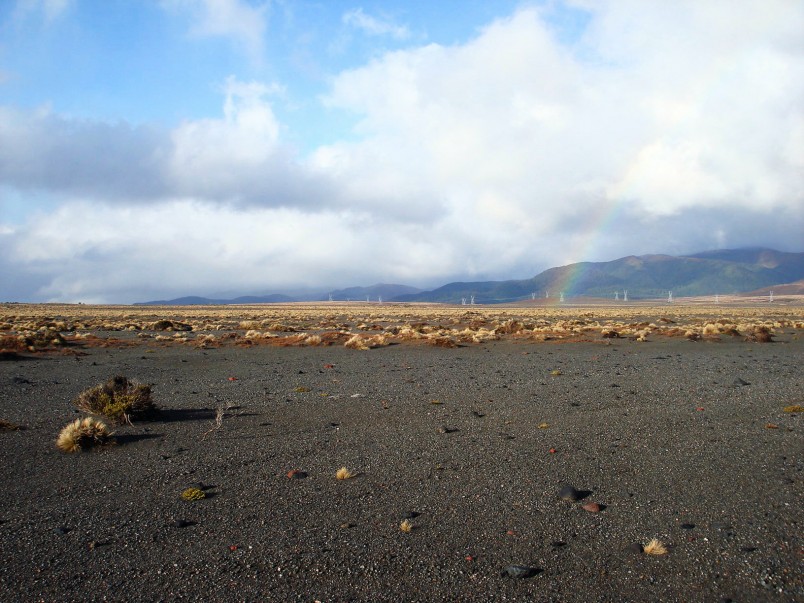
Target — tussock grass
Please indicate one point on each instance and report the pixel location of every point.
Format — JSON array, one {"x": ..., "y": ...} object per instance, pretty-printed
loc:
[
  {"x": 406, "y": 526},
  {"x": 655, "y": 547},
  {"x": 119, "y": 400},
  {"x": 344, "y": 473},
  {"x": 83, "y": 434}
]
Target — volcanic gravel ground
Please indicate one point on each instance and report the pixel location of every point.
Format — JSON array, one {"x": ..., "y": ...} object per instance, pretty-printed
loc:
[{"x": 663, "y": 435}]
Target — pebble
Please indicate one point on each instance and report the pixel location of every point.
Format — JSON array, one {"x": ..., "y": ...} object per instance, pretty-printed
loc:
[
  {"x": 568, "y": 493},
  {"x": 296, "y": 474},
  {"x": 738, "y": 382},
  {"x": 520, "y": 571},
  {"x": 592, "y": 507},
  {"x": 445, "y": 429}
]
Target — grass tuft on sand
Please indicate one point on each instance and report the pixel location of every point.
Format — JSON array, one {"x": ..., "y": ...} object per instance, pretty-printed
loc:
[
  {"x": 83, "y": 434},
  {"x": 119, "y": 400}
]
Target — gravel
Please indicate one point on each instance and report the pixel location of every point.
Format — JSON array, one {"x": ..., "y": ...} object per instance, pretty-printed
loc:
[{"x": 659, "y": 435}]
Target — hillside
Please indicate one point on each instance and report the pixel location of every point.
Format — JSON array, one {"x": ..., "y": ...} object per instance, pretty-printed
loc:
[{"x": 647, "y": 276}]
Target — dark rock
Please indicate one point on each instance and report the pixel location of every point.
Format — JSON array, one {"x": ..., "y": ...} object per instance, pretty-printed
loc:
[
  {"x": 183, "y": 523},
  {"x": 520, "y": 571},
  {"x": 296, "y": 474},
  {"x": 687, "y": 526},
  {"x": 62, "y": 530},
  {"x": 568, "y": 493}
]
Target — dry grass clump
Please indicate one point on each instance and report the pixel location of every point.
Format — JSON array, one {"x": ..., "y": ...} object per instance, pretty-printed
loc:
[
  {"x": 118, "y": 399},
  {"x": 344, "y": 473},
  {"x": 83, "y": 434},
  {"x": 655, "y": 547},
  {"x": 760, "y": 334},
  {"x": 794, "y": 408},
  {"x": 360, "y": 342},
  {"x": 441, "y": 341},
  {"x": 169, "y": 325},
  {"x": 12, "y": 343},
  {"x": 406, "y": 526}
]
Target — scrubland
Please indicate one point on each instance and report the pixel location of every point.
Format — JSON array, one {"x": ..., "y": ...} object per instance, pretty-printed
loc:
[{"x": 41, "y": 327}]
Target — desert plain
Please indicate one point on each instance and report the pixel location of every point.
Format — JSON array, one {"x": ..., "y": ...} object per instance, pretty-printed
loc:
[{"x": 462, "y": 428}]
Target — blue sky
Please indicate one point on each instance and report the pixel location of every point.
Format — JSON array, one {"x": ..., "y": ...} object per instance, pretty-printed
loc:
[{"x": 168, "y": 147}]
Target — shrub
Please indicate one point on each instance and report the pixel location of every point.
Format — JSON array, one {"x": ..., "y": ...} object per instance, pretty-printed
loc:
[
  {"x": 83, "y": 434},
  {"x": 118, "y": 399}
]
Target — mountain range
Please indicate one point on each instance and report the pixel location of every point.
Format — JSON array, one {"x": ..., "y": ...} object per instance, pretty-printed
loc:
[{"x": 723, "y": 271}]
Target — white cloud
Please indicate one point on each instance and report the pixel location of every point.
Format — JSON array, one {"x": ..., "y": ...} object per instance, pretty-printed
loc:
[
  {"x": 373, "y": 26},
  {"x": 242, "y": 22}
]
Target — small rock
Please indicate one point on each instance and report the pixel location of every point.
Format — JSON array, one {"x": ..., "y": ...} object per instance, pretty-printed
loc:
[
  {"x": 520, "y": 571},
  {"x": 445, "y": 429},
  {"x": 183, "y": 523},
  {"x": 738, "y": 382},
  {"x": 687, "y": 526},
  {"x": 592, "y": 507},
  {"x": 569, "y": 493},
  {"x": 558, "y": 544},
  {"x": 296, "y": 474},
  {"x": 347, "y": 525}
]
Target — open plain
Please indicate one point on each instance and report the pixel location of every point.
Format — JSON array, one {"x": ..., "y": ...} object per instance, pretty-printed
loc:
[{"x": 679, "y": 422}]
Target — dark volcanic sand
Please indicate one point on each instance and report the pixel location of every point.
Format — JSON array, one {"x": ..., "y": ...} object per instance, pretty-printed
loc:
[{"x": 717, "y": 486}]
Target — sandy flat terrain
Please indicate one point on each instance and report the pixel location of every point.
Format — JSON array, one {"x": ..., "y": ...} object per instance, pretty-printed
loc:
[{"x": 684, "y": 441}]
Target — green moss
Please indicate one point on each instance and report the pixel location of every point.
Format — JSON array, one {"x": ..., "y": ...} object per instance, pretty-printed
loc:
[{"x": 191, "y": 494}]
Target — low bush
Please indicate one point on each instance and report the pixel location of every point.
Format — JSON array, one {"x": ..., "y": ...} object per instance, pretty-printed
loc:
[{"x": 119, "y": 400}]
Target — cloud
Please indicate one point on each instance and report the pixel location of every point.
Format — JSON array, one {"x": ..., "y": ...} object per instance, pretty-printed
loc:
[
  {"x": 373, "y": 26},
  {"x": 662, "y": 128},
  {"x": 236, "y": 158},
  {"x": 238, "y": 20}
]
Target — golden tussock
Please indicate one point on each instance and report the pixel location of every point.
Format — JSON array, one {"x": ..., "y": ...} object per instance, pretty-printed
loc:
[
  {"x": 344, "y": 473},
  {"x": 655, "y": 547},
  {"x": 83, "y": 434}
]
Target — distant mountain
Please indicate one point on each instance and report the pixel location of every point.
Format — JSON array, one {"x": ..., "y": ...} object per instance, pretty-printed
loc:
[
  {"x": 386, "y": 292},
  {"x": 649, "y": 276},
  {"x": 722, "y": 271},
  {"x": 796, "y": 288},
  {"x": 205, "y": 301},
  {"x": 352, "y": 293}
]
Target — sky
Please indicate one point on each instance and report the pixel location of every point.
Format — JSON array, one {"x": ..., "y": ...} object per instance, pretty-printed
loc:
[{"x": 162, "y": 148}]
